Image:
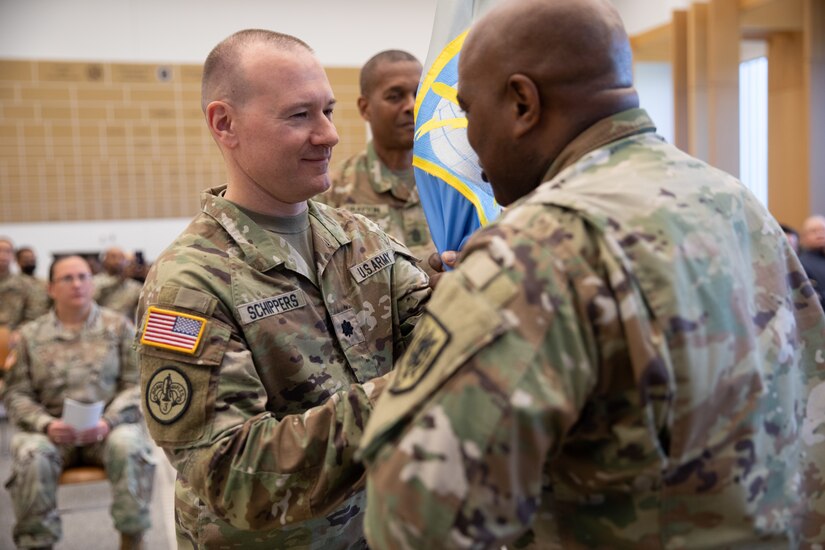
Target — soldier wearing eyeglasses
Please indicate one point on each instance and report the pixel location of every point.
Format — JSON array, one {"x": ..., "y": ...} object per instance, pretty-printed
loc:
[{"x": 81, "y": 351}]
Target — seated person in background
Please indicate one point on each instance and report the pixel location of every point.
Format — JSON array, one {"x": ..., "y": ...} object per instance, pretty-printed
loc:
[
  {"x": 22, "y": 298},
  {"x": 26, "y": 260},
  {"x": 27, "y": 263},
  {"x": 812, "y": 255},
  {"x": 274, "y": 317},
  {"x": 792, "y": 236},
  {"x": 379, "y": 182},
  {"x": 84, "y": 352},
  {"x": 114, "y": 288},
  {"x": 624, "y": 358}
]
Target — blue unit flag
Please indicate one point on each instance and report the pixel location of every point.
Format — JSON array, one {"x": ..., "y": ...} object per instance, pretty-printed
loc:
[{"x": 455, "y": 199}]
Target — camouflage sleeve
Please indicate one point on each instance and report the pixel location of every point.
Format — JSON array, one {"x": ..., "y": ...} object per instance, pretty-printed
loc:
[
  {"x": 208, "y": 411},
  {"x": 19, "y": 397},
  {"x": 410, "y": 292},
  {"x": 125, "y": 407},
  {"x": 497, "y": 372},
  {"x": 812, "y": 472}
]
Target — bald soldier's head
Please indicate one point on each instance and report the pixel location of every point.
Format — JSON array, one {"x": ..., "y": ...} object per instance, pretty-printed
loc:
[
  {"x": 813, "y": 233},
  {"x": 533, "y": 75},
  {"x": 224, "y": 75}
]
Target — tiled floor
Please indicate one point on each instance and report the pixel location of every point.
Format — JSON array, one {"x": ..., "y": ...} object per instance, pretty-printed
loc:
[{"x": 85, "y": 509}]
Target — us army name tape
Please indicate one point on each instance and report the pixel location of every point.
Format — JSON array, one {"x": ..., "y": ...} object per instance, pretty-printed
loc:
[{"x": 373, "y": 265}]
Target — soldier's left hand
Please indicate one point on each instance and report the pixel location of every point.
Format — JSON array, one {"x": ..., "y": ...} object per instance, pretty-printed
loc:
[
  {"x": 93, "y": 435},
  {"x": 440, "y": 263}
]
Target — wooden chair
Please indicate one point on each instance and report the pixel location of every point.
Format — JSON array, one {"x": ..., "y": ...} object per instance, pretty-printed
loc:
[
  {"x": 76, "y": 475},
  {"x": 82, "y": 474}
]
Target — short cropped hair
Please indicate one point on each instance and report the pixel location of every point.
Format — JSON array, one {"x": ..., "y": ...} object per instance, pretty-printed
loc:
[
  {"x": 222, "y": 74},
  {"x": 20, "y": 250},
  {"x": 367, "y": 77}
]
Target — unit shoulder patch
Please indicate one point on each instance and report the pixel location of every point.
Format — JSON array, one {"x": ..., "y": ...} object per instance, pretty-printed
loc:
[
  {"x": 429, "y": 340},
  {"x": 172, "y": 330},
  {"x": 168, "y": 394}
]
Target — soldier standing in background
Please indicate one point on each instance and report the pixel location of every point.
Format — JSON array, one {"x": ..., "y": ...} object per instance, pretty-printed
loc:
[
  {"x": 268, "y": 324},
  {"x": 624, "y": 358},
  {"x": 379, "y": 182},
  {"x": 22, "y": 298},
  {"x": 114, "y": 288},
  {"x": 84, "y": 352}
]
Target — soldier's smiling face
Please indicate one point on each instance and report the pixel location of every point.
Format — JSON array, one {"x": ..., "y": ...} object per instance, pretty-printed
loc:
[{"x": 284, "y": 128}]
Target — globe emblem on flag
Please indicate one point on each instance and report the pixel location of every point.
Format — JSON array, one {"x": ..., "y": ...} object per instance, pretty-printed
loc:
[
  {"x": 442, "y": 152},
  {"x": 449, "y": 143}
]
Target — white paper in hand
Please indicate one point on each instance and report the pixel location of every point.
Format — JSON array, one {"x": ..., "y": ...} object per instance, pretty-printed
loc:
[{"x": 81, "y": 416}]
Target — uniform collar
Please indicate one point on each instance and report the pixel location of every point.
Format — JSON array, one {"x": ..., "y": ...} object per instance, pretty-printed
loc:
[
  {"x": 621, "y": 125},
  {"x": 384, "y": 180},
  {"x": 259, "y": 248},
  {"x": 93, "y": 324}
]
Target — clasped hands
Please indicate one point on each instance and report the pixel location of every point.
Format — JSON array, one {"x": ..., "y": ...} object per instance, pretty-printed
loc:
[{"x": 61, "y": 433}]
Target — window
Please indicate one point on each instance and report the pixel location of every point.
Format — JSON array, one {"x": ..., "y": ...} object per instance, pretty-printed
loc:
[{"x": 753, "y": 126}]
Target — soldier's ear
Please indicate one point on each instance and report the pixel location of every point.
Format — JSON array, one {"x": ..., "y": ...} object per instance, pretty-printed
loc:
[
  {"x": 363, "y": 107},
  {"x": 523, "y": 103},
  {"x": 220, "y": 117}
]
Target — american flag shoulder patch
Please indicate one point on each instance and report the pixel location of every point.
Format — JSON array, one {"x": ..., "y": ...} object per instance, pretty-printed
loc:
[{"x": 172, "y": 330}]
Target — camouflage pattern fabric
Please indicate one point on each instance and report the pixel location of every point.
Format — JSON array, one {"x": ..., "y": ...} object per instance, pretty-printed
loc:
[
  {"x": 622, "y": 361},
  {"x": 22, "y": 299},
  {"x": 117, "y": 293},
  {"x": 364, "y": 185},
  {"x": 261, "y": 409},
  {"x": 49, "y": 364}
]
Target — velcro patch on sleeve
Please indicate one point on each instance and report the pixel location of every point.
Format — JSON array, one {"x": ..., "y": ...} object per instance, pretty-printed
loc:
[
  {"x": 366, "y": 269},
  {"x": 429, "y": 339},
  {"x": 172, "y": 330},
  {"x": 274, "y": 305}
]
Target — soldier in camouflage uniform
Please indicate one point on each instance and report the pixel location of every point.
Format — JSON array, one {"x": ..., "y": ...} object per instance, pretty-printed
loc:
[
  {"x": 83, "y": 352},
  {"x": 113, "y": 288},
  {"x": 623, "y": 360},
  {"x": 379, "y": 182},
  {"x": 267, "y": 326},
  {"x": 22, "y": 298}
]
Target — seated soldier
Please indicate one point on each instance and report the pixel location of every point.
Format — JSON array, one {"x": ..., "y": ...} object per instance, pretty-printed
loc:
[{"x": 80, "y": 351}]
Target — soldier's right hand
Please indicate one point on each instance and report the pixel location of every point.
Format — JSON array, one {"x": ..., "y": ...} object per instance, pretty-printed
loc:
[{"x": 60, "y": 433}]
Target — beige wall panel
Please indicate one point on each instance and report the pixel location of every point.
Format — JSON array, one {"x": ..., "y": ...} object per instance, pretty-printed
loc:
[
  {"x": 16, "y": 71},
  {"x": 723, "y": 84},
  {"x": 163, "y": 94},
  {"x": 697, "y": 81},
  {"x": 134, "y": 73},
  {"x": 12, "y": 112},
  {"x": 108, "y": 141},
  {"x": 41, "y": 93},
  {"x": 679, "y": 70},
  {"x": 56, "y": 113},
  {"x": 99, "y": 93},
  {"x": 92, "y": 113},
  {"x": 8, "y": 92},
  {"x": 61, "y": 72},
  {"x": 788, "y": 195}
]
